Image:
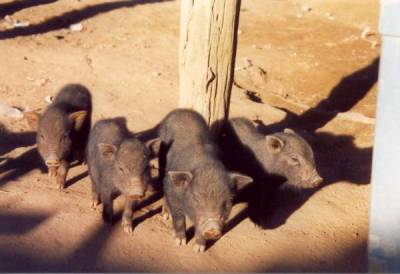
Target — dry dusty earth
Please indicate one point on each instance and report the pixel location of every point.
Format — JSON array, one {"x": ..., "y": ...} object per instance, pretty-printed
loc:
[{"x": 300, "y": 63}]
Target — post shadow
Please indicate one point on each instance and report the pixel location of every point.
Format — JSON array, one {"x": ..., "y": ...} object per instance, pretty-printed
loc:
[
  {"x": 76, "y": 179},
  {"x": 19, "y": 166},
  {"x": 19, "y": 224},
  {"x": 11, "y": 140},
  {"x": 84, "y": 258},
  {"x": 344, "y": 96},
  {"x": 15, "y": 6},
  {"x": 270, "y": 204},
  {"x": 71, "y": 17}
]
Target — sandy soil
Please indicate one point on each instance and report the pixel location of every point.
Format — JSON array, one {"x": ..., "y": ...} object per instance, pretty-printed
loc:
[{"x": 311, "y": 70}]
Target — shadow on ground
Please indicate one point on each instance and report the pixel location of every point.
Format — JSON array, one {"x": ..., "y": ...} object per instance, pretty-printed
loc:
[
  {"x": 337, "y": 157},
  {"x": 66, "y": 19},
  {"x": 15, "y": 6}
]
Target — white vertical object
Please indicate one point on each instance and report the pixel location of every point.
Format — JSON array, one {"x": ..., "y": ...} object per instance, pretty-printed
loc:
[{"x": 384, "y": 234}]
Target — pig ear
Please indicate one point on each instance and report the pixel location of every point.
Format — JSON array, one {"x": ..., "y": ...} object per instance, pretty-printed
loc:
[
  {"x": 33, "y": 119},
  {"x": 154, "y": 146},
  {"x": 107, "y": 151},
  {"x": 274, "y": 143},
  {"x": 289, "y": 130},
  {"x": 180, "y": 178},
  {"x": 78, "y": 118},
  {"x": 240, "y": 180}
]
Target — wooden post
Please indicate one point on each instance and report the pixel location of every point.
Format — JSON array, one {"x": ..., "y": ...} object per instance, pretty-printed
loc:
[{"x": 208, "y": 41}]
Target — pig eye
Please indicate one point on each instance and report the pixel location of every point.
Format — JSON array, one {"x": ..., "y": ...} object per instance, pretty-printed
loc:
[
  {"x": 226, "y": 205},
  {"x": 41, "y": 136},
  {"x": 64, "y": 137},
  {"x": 121, "y": 169},
  {"x": 294, "y": 161}
]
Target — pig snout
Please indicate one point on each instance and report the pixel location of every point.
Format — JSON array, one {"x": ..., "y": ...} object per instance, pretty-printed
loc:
[
  {"x": 52, "y": 161},
  {"x": 314, "y": 180},
  {"x": 212, "y": 230},
  {"x": 137, "y": 192}
]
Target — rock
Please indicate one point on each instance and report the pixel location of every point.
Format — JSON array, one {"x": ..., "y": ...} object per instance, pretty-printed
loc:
[
  {"x": 251, "y": 78},
  {"x": 22, "y": 24},
  {"x": 8, "y": 111},
  {"x": 330, "y": 16},
  {"x": 375, "y": 44},
  {"x": 9, "y": 19},
  {"x": 306, "y": 8},
  {"x": 42, "y": 82},
  {"x": 367, "y": 31},
  {"x": 49, "y": 99},
  {"x": 76, "y": 27}
]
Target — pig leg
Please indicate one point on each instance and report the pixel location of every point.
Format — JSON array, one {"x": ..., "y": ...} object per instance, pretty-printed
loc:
[
  {"x": 81, "y": 157},
  {"x": 165, "y": 212},
  {"x": 95, "y": 198},
  {"x": 178, "y": 221},
  {"x": 200, "y": 242},
  {"x": 127, "y": 215},
  {"x": 107, "y": 201},
  {"x": 62, "y": 174}
]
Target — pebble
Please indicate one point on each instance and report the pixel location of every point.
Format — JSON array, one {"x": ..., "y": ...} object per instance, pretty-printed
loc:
[
  {"x": 8, "y": 111},
  {"x": 21, "y": 24},
  {"x": 367, "y": 31},
  {"x": 49, "y": 99},
  {"x": 76, "y": 27}
]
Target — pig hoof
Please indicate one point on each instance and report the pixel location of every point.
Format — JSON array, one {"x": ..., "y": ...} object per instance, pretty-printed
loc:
[
  {"x": 127, "y": 226},
  {"x": 180, "y": 242},
  {"x": 52, "y": 172},
  {"x": 94, "y": 204},
  {"x": 256, "y": 226},
  {"x": 199, "y": 248},
  {"x": 60, "y": 187},
  {"x": 165, "y": 216}
]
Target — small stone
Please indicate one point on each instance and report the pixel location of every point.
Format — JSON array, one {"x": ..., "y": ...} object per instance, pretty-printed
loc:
[
  {"x": 9, "y": 19},
  {"x": 248, "y": 62},
  {"x": 49, "y": 99},
  {"x": 23, "y": 24},
  {"x": 240, "y": 32},
  {"x": 306, "y": 8},
  {"x": 12, "y": 112},
  {"x": 267, "y": 46},
  {"x": 367, "y": 31},
  {"x": 156, "y": 73},
  {"x": 76, "y": 27},
  {"x": 42, "y": 82},
  {"x": 375, "y": 44}
]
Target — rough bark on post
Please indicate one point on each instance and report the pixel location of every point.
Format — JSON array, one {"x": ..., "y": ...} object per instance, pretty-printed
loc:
[{"x": 208, "y": 42}]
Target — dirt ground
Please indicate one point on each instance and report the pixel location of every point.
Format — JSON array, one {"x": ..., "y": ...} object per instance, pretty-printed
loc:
[{"x": 300, "y": 63}]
